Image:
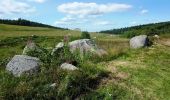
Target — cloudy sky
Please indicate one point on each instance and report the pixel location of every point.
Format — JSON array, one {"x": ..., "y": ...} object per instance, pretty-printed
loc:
[{"x": 90, "y": 15}]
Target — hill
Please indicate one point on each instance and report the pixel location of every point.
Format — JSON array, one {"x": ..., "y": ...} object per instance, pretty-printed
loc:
[
  {"x": 17, "y": 30},
  {"x": 149, "y": 29},
  {"x": 23, "y": 22}
]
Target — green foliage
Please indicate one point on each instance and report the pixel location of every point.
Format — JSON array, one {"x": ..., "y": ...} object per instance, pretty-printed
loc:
[
  {"x": 148, "y": 29},
  {"x": 43, "y": 55},
  {"x": 85, "y": 35},
  {"x": 63, "y": 55},
  {"x": 24, "y": 22},
  {"x": 108, "y": 92},
  {"x": 12, "y": 41},
  {"x": 69, "y": 85},
  {"x": 129, "y": 34}
]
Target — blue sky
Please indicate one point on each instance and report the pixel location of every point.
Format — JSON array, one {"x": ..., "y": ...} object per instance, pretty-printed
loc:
[{"x": 89, "y": 15}]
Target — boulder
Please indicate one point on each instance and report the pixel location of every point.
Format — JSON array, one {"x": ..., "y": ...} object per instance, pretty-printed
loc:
[
  {"x": 83, "y": 46},
  {"x": 139, "y": 41},
  {"x": 68, "y": 66},
  {"x": 23, "y": 64}
]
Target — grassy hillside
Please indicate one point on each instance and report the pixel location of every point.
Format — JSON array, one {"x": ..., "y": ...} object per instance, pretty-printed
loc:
[
  {"x": 162, "y": 28},
  {"x": 15, "y": 31},
  {"x": 123, "y": 74}
]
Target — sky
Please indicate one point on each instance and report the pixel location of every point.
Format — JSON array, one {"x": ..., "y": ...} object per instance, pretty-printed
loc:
[{"x": 88, "y": 15}]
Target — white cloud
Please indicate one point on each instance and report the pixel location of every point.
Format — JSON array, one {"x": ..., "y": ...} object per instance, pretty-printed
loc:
[
  {"x": 70, "y": 20},
  {"x": 144, "y": 11},
  {"x": 85, "y": 14},
  {"x": 85, "y": 9},
  {"x": 14, "y": 7},
  {"x": 38, "y": 1},
  {"x": 65, "y": 20},
  {"x": 102, "y": 23}
]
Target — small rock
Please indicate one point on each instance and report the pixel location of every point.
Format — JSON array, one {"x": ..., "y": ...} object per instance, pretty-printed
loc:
[
  {"x": 57, "y": 48},
  {"x": 23, "y": 64},
  {"x": 156, "y": 36},
  {"x": 68, "y": 66},
  {"x": 53, "y": 85},
  {"x": 31, "y": 47}
]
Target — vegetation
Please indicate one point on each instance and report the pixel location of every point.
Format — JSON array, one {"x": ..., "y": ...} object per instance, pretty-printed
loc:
[
  {"x": 123, "y": 74},
  {"x": 148, "y": 29},
  {"x": 85, "y": 35},
  {"x": 24, "y": 22}
]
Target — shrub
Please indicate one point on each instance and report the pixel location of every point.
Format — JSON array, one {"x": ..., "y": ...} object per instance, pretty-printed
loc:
[
  {"x": 63, "y": 54},
  {"x": 44, "y": 55},
  {"x": 129, "y": 34},
  {"x": 84, "y": 81},
  {"x": 85, "y": 35}
]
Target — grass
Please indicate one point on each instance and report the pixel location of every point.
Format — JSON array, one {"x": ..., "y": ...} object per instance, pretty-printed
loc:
[
  {"x": 152, "y": 77},
  {"x": 123, "y": 74}
]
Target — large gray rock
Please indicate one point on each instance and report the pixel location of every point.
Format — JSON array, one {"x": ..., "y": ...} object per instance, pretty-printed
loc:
[
  {"x": 139, "y": 41},
  {"x": 83, "y": 46},
  {"x": 23, "y": 64},
  {"x": 68, "y": 66}
]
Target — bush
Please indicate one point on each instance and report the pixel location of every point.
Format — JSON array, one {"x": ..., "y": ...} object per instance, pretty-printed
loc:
[
  {"x": 129, "y": 34},
  {"x": 44, "y": 55},
  {"x": 85, "y": 35}
]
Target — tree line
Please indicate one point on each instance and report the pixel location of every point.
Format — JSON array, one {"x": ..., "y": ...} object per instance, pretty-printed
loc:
[
  {"x": 23, "y": 22},
  {"x": 148, "y": 29}
]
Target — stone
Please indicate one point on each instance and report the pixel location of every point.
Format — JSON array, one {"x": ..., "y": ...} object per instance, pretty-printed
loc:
[
  {"x": 156, "y": 36},
  {"x": 57, "y": 48},
  {"x": 86, "y": 46},
  {"x": 83, "y": 46},
  {"x": 68, "y": 66},
  {"x": 21, "y": 64},
  {"x": 31, "y": 47},
  {"x": 139, "y": 41},
  {"x": 53, "y": 85}
]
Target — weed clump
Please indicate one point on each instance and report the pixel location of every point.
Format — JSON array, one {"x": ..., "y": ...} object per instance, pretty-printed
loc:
[{"x": 85, "y": 35}]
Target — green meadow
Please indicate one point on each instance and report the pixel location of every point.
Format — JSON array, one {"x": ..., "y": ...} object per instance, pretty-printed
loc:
[{"x": 123, "y": 74}]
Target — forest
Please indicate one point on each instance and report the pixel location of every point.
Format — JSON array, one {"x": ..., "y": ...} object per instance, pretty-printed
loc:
[
  {"x": 148, "y": 29},
  {"x": 23, "y": 22}
]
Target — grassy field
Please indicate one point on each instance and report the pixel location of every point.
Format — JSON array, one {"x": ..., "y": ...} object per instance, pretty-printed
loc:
[{"x": 124, "y": 74}]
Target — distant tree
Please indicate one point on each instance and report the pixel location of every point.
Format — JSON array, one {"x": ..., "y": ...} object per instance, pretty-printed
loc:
[
  {"x": 148, "y": 29},
  {"x": 129, "y": 34},
  {"x": 23, "y": 22},
  {"x": 85, "y": 35},
  {"x": 151, "y": 31}
]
